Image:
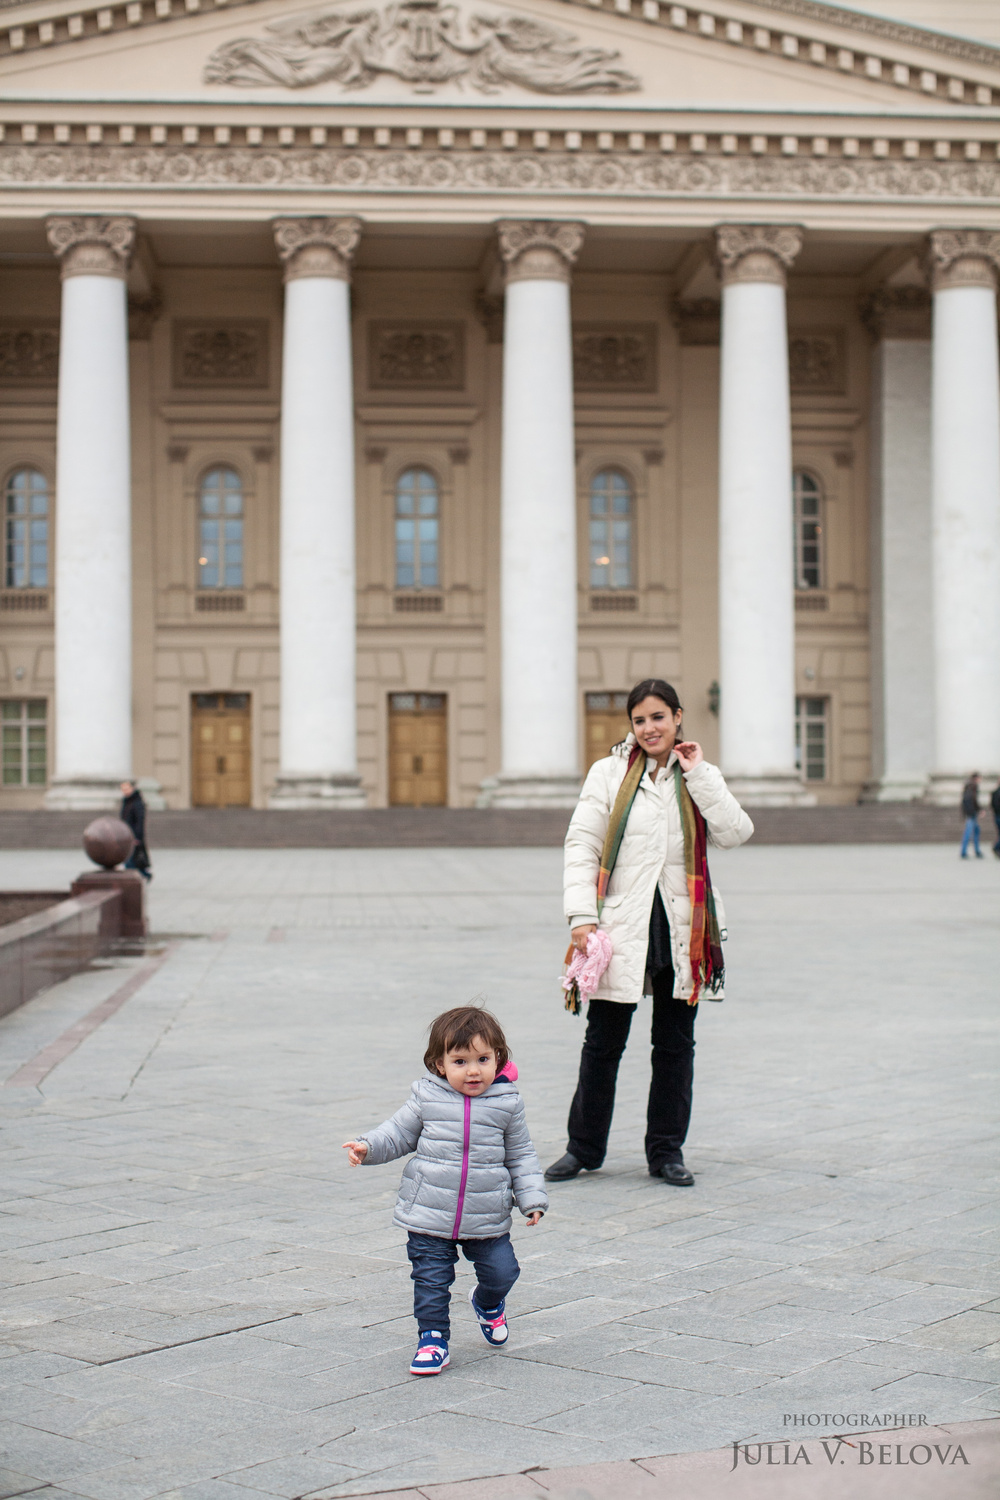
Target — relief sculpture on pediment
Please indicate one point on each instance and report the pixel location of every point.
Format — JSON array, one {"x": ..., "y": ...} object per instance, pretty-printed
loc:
[{"x": 423, "y": 42}]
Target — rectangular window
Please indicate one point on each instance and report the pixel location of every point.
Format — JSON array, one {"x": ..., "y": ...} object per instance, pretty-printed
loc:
[
  {"x": 808, "y": 502},
  {"x": 26, "y": 539},
  {"x": 610, "y": 531},
  {"x": 417, "y": 533},
  {"x": 24, "y": 751},
  {"x": 811, "y": 738}
]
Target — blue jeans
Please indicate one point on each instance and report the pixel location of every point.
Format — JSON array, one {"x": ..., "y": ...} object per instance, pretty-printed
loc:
[
  {"x": 433, "y": 1271},
  {"x": 971, "y": 832}
]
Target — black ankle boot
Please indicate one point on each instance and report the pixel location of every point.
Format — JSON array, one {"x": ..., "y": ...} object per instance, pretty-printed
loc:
[{"x": 565, "y": 1168}]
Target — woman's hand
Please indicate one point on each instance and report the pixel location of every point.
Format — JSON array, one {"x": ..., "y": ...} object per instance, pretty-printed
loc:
[
  {"x": 534, "y": 1217},
  {"x": 356, "y": 1152},
  {"x": 578, "y": 937},
  {"x": 689, "y": 753}
]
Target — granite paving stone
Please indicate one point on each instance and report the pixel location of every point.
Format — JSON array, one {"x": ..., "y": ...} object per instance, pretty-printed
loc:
[{"x": 206, "y": 1304}]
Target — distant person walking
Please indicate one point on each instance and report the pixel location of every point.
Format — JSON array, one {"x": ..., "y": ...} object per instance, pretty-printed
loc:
[
  {"x": 995, "y": 804},
  {"x": 970, "y": 807},
  {"x": 133, "y": 812}
]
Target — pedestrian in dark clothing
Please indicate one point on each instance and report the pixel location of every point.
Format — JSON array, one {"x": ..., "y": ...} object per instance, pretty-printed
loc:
[
  {"x": 970, "y": 809},
  {"x": 133, "y": 812},
  {"x": 995, "y": 804}
]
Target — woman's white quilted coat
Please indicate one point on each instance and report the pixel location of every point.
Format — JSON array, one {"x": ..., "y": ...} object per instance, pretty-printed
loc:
[{"x": 651, "y": 854}]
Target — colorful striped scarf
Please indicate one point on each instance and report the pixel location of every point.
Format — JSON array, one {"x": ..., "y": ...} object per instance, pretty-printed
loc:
[
  {"x": 708, "y": 969},
  {"x": 705, "y": 950}
]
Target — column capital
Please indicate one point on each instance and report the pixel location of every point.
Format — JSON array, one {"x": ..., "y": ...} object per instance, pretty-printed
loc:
[
  {"x": 317, "y": 247},
  {"x": 539, "y": 249},
  {"x": 91, "y": 245},
  {"x": 897, "y": 312},
  {"x": 756, "y": 252},
  {"x": 963, "y": 257}
]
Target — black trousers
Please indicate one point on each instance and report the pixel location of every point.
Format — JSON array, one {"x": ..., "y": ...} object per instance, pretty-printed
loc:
[{"x": 669, "y": 1110}]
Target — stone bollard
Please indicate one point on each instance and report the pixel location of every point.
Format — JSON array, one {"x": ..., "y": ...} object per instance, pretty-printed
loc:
[{"x": 108, "y": 841}]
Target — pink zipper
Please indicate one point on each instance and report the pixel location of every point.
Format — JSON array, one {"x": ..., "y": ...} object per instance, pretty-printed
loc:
[{"x": 465, "y": 1165}]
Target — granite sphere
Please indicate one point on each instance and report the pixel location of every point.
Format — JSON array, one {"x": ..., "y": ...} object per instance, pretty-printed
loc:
[{"x": 107, "y": 841}]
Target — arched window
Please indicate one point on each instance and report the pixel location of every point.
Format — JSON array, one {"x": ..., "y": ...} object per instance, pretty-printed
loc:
[
  {"x": 417, "y": 530},
  {"x": 26, "y": 530},
  {"x": 808, "y": 531},
  {"x": 610, "y": 531},
  {"x": 220, "y": 530}
]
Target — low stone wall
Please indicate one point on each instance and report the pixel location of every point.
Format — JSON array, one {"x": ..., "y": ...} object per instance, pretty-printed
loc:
[
  {"x": 464, "y": 828},
  {"x": 17, "y": 904},
  {"x": 38, "y": 950}
]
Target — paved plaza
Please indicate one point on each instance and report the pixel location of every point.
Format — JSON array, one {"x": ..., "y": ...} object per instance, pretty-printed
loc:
[{"x": 204, "y": 1302}]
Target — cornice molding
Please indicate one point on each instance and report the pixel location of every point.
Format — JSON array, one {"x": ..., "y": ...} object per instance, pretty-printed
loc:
[
  {"x": 892, "y": 31},
  {"x": 517, "y": 174},
  {"x": 793, "y": 45}
]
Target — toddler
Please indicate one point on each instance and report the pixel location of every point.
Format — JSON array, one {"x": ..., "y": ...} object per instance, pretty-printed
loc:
[{"x": 474, "y": 1158}]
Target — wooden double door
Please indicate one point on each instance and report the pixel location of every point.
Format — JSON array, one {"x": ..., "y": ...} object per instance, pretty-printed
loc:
[
  {"x": 606, "y": 722},
  {"x": 220, "y": 750},
  {"x": 418, "y": 750}
]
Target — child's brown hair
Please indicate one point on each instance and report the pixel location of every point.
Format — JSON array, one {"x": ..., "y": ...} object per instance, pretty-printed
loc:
[{"x": 457, "y": 1028}]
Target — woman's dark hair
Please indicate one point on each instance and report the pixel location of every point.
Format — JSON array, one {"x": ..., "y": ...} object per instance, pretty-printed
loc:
[
  {"x": 457, "y": 1028},
  {"x": 653, "y": 687}
]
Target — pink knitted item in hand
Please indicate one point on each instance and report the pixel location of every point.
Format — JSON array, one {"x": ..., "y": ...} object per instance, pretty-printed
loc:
[{"x": 585, "y": 969}]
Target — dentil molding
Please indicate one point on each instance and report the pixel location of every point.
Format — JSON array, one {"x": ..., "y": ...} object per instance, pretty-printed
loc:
[
  {"x": 317, "y": 247},
  {"x": 88, "y": 245},
  {"x": 756, "y": 252},
  {"x": 515, "y": 173},
  {"x": 538, "y": 249},
  {"x": 963, "y": 257}
]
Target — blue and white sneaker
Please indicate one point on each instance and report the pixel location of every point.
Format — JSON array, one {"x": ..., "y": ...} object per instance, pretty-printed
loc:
[
  {"x": 432, "y": 1354},
  {"x": 492, "y": 1325}
]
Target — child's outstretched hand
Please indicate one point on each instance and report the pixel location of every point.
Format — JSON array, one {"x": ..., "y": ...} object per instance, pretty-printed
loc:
[
  {"x": 356, "y": 1152},
  {"x": 534, "y": 1218}
]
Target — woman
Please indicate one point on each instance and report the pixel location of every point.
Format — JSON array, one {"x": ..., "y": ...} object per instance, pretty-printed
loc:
[{"x": 636, "y": 865}]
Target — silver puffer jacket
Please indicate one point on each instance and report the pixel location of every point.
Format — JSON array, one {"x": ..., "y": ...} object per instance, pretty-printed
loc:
[{"x": 474, "y": 1159}]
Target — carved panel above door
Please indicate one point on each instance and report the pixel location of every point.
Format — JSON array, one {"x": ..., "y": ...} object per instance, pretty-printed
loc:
[
  {"x": 412, "y": 356},
  {"x": 614, "y": 357},
  {"x": 224, "y": 354},
  {"x": 29, "y": 353}
]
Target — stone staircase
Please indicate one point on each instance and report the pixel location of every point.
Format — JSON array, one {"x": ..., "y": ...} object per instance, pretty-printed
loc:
[{"x": 443, "y": 827}]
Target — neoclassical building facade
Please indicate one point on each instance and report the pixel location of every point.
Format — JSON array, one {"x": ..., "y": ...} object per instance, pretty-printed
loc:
[{"x": 384, "y": 390}]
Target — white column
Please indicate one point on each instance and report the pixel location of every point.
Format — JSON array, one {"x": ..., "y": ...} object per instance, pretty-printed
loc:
[
  {"x": 965, "y": 478},
  {"x": 539, "y": 726},
  {"x": 756, "y": 577},
  {"x": 319, "y": 765},
  {"x": 901, "y": 634},
  {"x": 93, "y": 548}
]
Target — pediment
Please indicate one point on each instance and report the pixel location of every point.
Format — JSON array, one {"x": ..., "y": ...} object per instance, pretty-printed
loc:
[{"x": 638, "y": 54}]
